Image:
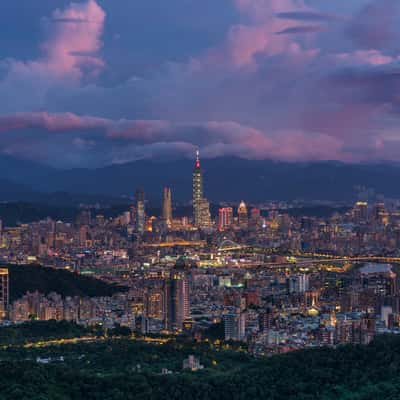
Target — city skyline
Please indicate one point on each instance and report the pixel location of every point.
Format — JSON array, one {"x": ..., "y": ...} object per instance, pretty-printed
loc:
[{"x": 199, "y": 199}]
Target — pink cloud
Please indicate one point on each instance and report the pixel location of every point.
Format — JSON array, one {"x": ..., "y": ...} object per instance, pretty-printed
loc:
[
  {"x": 75, "y": 39},
  {"x": 259, "y": 37},
  {"x": 69, "y": 54},
  {"x": 213, "y": 137},
  {"x": 50, "y": 122},
  {"x": 368, "y": 57}
]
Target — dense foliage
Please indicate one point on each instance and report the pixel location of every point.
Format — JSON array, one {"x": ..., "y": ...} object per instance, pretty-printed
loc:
[
  {"x": 131, "y": 369},
  {"x": 24, "y": 278},
  {"x": 35, "y": 331}
]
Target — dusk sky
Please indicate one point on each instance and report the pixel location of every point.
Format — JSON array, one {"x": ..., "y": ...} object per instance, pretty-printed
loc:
[{"x": 94, "y": 82}]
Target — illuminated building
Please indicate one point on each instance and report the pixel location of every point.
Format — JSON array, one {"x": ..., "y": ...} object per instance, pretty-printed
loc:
[
  {"x": 167, "y": 206},
  {"x": 197, "y": 188},
  {"x": 140, "y": 211},
  {"x": 380, "y": 214},
  {"x": 378, "y": 277},
  {"x": 235, "y": 325},
  {"x": 83, "y": 235},
  {"x": 201, "y": 207},
  {"x": 192, "y": 363},
  {"x": 225, "y": 217},
  {"x": 154, "y": 303},
  {"x": 4, "y": 292},
  {"x": 255, "y": 217},
  {"x": 177, "y": 303},
  {"x": 360, "y": 211},
  {"x": 298, "y": 283},
  {"x": 242, "y": 215},
  {"x": 204, "y": 213}
]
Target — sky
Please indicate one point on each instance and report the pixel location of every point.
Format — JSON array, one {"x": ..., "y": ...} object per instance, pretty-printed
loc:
[{"x": 95, "y": 82}]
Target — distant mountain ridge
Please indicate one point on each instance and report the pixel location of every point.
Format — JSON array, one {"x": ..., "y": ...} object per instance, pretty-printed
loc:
[{"x": 230, "y": 179}]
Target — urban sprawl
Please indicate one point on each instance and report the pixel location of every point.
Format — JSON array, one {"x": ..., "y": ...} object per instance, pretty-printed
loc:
[{"x": 271, "y": 280}]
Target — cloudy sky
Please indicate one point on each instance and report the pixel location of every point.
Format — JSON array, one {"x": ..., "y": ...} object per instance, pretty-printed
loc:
[{"x": 95, "y": 82}]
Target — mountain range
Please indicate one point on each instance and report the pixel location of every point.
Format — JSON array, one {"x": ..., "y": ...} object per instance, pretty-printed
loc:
[{"x": 230, "y": 179}]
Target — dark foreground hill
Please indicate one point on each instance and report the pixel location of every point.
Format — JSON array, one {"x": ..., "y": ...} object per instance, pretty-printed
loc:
[
  {"x": 131, "y": 369},
  {"x": 24, "y": 278}
]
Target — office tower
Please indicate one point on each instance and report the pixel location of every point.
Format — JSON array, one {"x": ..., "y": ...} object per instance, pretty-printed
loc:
[
  {"x": 360, "y": 212},
  {"x": 4, "y": 292},
  {"x": 242, "y": 215},
  {"x": 197, "y": 180},
  {"x": 380, "y": 214},
  {"x": 154, "y": 303},
  {"x": 255, "y": 217},
  {"x": 140, "y": 211},
  {"x": 177, "y": 302},
  {"x": 235, "y": 325},
  {"x": 204, "y": 213},
  {"x": 379, "y": 278},
  {"x": 83, "y": 235},
  {"x": 167, "y": 206},
  {"x": 298, "y": 283},
  {"x": 126, "y": 218},
  {"x": 201, "y": 207},
  {"x": 84, "y": 218},
  {"x": 225, "y": 217},
  {"x": 197, "y": 190}
]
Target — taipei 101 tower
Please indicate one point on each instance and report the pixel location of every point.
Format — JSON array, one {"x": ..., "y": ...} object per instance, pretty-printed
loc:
[{"x": 201, "y": 207}]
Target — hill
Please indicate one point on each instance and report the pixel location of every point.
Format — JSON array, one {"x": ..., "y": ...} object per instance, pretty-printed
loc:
[
  {"x": 230, "y": 179},
  {"x": 131, "y": 369},
  {"x": 24, "y": 278}
]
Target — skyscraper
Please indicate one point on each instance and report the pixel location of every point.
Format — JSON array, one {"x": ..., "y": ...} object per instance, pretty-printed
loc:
[
  {"x": 255, "y": 217},
  {"x": 197, "y": 189},
  {"x": 225, "y": 217},
  {"x": 201, "y": 207},
  {"x": 140, "y": 211},
  {"x": 177, "y": 301},
  {"x": 167, "y": 206},
  {"x": 235, "y": 325},
  {"x": 242, "y": 215},
  {"x": 4, "y": 292}
]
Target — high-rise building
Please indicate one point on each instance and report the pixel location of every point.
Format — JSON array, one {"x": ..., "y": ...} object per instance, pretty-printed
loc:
[
  {"x": 298, "y": 283},
  {"x": 154, "y": 300},
  {"x": 380, "y": 214},
  {"x": 140, "y": 211},
  {"x": 242, "y": 215},
  {"x": 225, "y": 217},
  {"x": 4, "y": 292},
  {"x": 235, "y": 325},
  {"x": 201, "y": 207},
  {"x": 255, "y": 217},
  {"x": 360, "y": 211},
  {"x": 177, "y": 301},
  {"x": 167, "y": 206},
  {"x": 204, "y": 213},
  {"x": 197, "y": 180}
]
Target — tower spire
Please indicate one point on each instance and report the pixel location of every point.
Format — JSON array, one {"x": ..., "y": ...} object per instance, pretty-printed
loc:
[{"x": 197, "y": 158}]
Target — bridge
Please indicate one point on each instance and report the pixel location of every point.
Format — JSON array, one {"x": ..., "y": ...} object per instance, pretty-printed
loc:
[
  {"x": 325, "y": 260},
  {"x": 176, "y": 243},
  {"x": 229, "y": 245}
]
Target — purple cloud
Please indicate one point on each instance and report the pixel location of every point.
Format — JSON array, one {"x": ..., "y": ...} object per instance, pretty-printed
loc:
[{"x": 286, "y": 81}]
